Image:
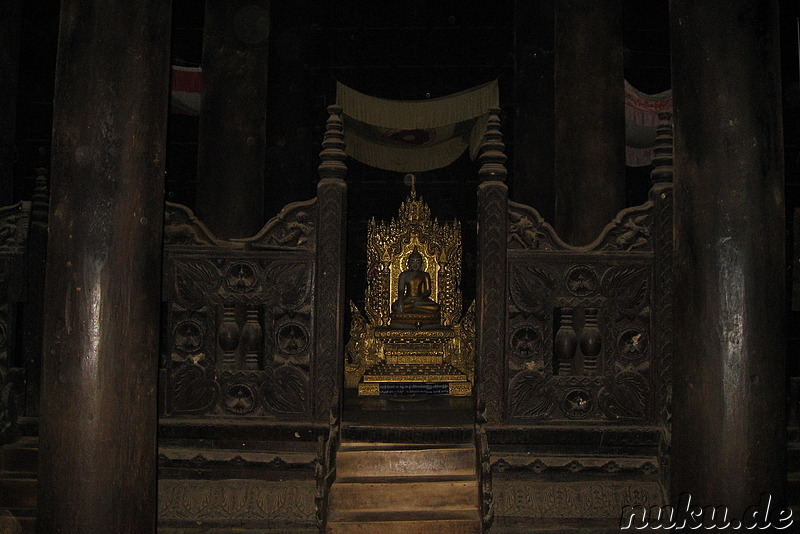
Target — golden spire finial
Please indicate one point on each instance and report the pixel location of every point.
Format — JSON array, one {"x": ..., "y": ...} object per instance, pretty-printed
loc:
[{"x": 413, "y": 179}]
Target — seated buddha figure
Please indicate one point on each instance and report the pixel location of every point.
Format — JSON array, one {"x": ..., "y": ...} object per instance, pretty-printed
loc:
[{"x": 414, "y": 307}]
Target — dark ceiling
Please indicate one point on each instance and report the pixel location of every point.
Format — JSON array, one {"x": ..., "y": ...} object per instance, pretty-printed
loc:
[{"x": 412, "y": 49}]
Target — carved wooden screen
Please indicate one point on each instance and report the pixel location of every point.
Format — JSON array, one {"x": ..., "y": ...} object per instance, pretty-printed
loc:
[
  {"x": 14, "y": 226},
  {"x": 588, "y": 337},
  {"x": 238, "y": 339}
]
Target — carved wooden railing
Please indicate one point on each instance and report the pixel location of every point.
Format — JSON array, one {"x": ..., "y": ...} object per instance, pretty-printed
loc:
[
  {"x": 238, "y": 336},
  {"x": 575, "y": 337},
  {"x": 573, "y": 334},
  {"x": 253, "y": 327},
  {"x": 23, "y": 242},
  {"x": 14, "y": 228},
  {"x": 585, "y": 339},
  {"x": 325, "y": 470}
]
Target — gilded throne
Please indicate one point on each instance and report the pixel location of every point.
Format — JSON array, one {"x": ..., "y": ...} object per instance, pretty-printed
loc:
[{"x": 414, "y": 338}]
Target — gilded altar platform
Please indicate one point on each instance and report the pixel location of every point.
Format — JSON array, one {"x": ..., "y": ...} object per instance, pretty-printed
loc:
[
  {"x": 415, "y": 357},
  {"x": 386, "y": 378}
]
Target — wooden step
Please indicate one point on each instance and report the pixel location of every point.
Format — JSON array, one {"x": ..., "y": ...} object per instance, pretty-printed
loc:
[
  {"x": 793, "y": 488},
  {"x": 10, "y": 522},
  {"x": 364, "y": 463},
  {"x": 20, "y": 457},
  {"x": 402, "y": 496},
  {"x": 17, "y": 492},
  {"x": 18, "y": 521},
  {"x": 793, "y": 457},
  {"x": 28, "y": 525},
  {"x": 449, "y": 522},
  {"x": 429, "y": 434},
  {"x": 350, "y": 445}
]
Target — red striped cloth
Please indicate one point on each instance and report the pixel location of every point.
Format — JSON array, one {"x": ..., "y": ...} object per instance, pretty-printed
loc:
[
  {"x": 641, "y": 121},
  {"x": 186, "y": 87}
]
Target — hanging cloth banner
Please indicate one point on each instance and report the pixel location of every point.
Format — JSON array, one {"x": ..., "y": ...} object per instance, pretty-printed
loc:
[
  {"x": 186, "y": 87},
  {"x": 414, "y": 135},
  {"x": 641, "y": 121}
]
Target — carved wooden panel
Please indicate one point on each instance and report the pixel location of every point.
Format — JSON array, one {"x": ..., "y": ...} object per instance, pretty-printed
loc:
[
  {"x": 630, "y": 231},
  {"x": 222, "y": 503},
  {"x": 239, "y": 331},
  {"x": 580, "y": 322},
  {"x": 586, "y": 500},
  {"x": 14, "y": 229},
  {"x": 239, "y": 334},
  {"x": 618, "y": 468}
]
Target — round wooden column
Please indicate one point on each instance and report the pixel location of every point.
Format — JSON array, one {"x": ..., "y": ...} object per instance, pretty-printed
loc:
[
  {"x": 10, "y": 23},
  {"x": 729, "y": 386},
  {"x": 233, "y": 117},
  {"x": 97, "y": 447},
  {"x": 590, "y": 117},
  {"x": 533, "y": 177}
]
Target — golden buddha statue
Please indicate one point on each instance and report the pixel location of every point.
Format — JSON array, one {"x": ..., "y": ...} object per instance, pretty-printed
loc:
[
  {"x": 414, "y": 307},
  {"x": 413, "y": 337}
]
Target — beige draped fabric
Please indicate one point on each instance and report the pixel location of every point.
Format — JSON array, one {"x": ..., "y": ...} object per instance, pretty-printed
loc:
[{"x": 414, "y": 135}]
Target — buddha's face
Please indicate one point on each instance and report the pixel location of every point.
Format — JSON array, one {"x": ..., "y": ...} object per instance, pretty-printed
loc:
[{"x": 414, "y": 263}]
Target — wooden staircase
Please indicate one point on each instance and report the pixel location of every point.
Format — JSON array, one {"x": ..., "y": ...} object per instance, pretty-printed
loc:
[
  {"x": 18, "y": 466},
  {"x": 390, "y": 488}
]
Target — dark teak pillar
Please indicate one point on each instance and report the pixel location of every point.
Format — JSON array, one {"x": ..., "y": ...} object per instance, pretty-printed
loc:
[
  {"x": 97, "y": 443},
  {"x": 10, "y": 22},
  {"x": 729, "y": 383},
  {"x": 533, "y": 181},
  {"x": 233, "y": 117},
  {"x": 491, "y": 294},
  {"x": 291, "y": 157},
  {"x": 330, "y": 265},
  {"x": 590, "y": 117}
]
